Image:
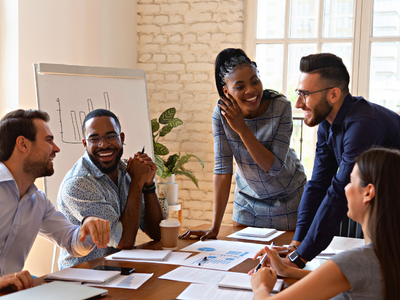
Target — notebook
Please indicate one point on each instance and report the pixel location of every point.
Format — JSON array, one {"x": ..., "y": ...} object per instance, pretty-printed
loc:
[
  {"x": 58, "y": 290},
  {"x": 242, "y": 281},
  {"x": 256, "y": 232},
  {"x": 84, "y": 275},
  {"x": 141, "y": 254}
]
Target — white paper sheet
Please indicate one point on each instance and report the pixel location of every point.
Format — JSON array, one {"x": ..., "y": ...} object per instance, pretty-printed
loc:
[
  {"x": 192, "y": 275},
  {"x": 215, "y": 260},
  {"x": 176, "y": 258},
  {"x": 266, "y": 239},
  {"x": 212, "y": 292},
  {"x": 247, "y": 250},
  {"x": 132, "y": 281}
]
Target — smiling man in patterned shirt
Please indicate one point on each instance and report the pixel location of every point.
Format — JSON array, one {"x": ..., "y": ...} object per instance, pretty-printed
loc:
[{"x": 100, "y": 184}]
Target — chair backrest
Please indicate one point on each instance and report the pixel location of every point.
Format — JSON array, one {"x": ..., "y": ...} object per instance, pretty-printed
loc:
[{"x": 350, "y": 228}]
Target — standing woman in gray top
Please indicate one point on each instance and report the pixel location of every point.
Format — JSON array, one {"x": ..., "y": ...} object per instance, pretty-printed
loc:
[
  {"x": 368, "y": 272},
  {"x": 254, "y": 126}
]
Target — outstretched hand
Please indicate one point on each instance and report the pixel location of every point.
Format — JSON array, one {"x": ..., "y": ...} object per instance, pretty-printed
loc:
[
  {"x": 98, "y": 228},
  {"x": 203, "y": 234},
  {"x": 20, "y": 280},
  {"x": 232, "y": 113}
]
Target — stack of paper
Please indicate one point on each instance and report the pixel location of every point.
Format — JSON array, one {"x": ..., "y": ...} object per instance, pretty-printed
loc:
[
  {"x": 141, "y": 254},
  {"x": 84, "y": 275},
  {"x": 256, "y": 232},
  {"x": 242, "y": 281}
]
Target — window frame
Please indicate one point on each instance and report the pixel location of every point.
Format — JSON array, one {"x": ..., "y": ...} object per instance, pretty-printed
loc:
[{"x": 361, "y": 42}]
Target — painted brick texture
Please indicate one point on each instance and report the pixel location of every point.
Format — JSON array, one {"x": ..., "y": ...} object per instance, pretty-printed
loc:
[{"x": 178, "y": 41}]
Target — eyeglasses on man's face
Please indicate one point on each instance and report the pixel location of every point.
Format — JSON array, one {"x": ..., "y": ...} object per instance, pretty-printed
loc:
[
  {"x": 109, "y": 137},
  {"x": 303, "y": 94}
]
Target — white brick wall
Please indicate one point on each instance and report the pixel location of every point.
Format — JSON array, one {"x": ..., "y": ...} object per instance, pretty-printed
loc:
[{"x": 178, "y": 41}]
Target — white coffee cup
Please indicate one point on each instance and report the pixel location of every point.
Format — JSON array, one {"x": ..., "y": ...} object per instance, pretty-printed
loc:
[{"x": 169, "y": 234}]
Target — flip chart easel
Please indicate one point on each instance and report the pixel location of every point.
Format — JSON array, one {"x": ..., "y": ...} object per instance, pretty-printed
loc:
[{"x": 68, "y": 93}]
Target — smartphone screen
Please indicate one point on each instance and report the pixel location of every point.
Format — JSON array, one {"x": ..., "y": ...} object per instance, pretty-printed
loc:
[{"x": 124, "y": 271}]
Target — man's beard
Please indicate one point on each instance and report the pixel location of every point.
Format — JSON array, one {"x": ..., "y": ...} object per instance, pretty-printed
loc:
[
  {"x": 109, "y": 169},
  {"x": 37, "y": 168},
  {"x": 319, "y": 113}
]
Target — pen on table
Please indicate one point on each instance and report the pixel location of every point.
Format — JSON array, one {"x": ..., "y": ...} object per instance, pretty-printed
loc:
[
  {"x": 142, "y": 150},
  {"x": 263, "y": 259},
  {"x": 203, "y": 260}
]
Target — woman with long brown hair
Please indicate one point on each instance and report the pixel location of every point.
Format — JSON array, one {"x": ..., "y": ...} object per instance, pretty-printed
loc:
[{"x": 368, "y": 272}]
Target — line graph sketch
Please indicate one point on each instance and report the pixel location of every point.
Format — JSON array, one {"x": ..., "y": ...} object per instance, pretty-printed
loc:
[{"x": 73, "y": 134}]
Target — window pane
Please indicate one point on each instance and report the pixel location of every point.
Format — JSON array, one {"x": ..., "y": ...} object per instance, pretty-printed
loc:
[
  {"x": 270, "y": 19},
  {"x": 385, "y": 75},
  {"x": 304, "y": 18},
  {"x": 386, "y": 20},
  {"x": 338, "y": 18},
  {"x": 296, "y": 52},
  {"x": 269, "y": 58},
  {"x": 343, "y": 50}
]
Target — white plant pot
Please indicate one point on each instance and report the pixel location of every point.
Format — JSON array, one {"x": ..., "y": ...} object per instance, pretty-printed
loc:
[{"x": 168, "y": 189}]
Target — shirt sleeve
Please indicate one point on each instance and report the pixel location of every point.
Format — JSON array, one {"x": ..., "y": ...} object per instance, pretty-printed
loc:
[
  {"x": 223, "y": 155},
  {"x": 281, "y": 141},
  {"x": 80, "y": 197},
  {"x": 56, "y": 228},
  {"x": 358, "y": 136}
]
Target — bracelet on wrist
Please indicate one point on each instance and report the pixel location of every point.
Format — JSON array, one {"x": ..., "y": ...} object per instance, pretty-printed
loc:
[
  {"x": 149, "y": 190},
  {"x": 294, "y": 246}
]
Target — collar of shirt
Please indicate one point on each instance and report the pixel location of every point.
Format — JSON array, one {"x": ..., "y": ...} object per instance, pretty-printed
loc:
[{"x": 6, "y": 176}]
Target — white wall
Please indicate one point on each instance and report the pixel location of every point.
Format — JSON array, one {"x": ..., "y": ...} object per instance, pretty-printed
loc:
[{"x": 77, "y": 32}]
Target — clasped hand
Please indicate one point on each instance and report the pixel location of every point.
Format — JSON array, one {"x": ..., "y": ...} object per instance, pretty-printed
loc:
[{"x": 141, "y": 168}]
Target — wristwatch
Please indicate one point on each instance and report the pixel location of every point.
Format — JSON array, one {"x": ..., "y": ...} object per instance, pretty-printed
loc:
[{"x": 295, "y": 258}]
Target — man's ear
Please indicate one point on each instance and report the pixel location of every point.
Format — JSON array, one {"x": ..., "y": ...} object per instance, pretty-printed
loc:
[
  {"x": 84, "y": 143},
  {"x": 122, "y": 135},
  {"x": 23, "y": 144},
  {"x": 334, "y": 95},
  {"x": 369, "y": 193}
]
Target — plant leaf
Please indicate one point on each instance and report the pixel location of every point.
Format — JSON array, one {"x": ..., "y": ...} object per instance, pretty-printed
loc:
[
  {"x": 190, "y": 175},
  {"x": 175, "y": 122},
  {"x": 183, "y": 160},
  {"x": 165, "y": 130},
  {"x": 171, "y": 161},
  {"x": 154, "y": 125},
  {"x": 160, "y": 165},
  {"x": 160, "y": 149},
  {"x": 167, "y": 115}
]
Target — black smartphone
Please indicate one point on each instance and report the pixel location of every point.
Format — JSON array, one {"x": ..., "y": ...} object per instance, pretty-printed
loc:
[{"x": 124, "y": 271}]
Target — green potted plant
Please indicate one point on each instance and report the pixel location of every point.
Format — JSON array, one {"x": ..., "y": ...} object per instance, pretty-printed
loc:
[{"x": 174, "y": 165}]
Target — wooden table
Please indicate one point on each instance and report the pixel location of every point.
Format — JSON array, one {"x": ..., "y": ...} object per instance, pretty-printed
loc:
[{"x": 157, "y": 289}]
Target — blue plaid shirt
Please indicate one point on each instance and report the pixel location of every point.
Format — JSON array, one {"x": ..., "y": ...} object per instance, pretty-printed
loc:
[{"x": 255, "y": 187}]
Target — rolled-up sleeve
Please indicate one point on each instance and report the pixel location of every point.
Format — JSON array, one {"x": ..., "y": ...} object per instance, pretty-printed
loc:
[
  {"x": 222, "y": 151},
  {"x": 57, "y": 229}
]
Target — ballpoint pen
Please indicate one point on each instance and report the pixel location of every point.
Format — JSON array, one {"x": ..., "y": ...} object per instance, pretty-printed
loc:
[
  {"x": 263, "y": 259},
  {"x": 203, "y": 260},
  {"x": 142, "y": 150}
]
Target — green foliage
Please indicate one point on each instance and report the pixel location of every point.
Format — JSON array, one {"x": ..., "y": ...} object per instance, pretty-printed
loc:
[{"x": 175, "y": 162}]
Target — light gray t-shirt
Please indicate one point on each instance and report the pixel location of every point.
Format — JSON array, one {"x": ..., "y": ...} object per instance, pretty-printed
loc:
[{"x": 362, "y": 269}]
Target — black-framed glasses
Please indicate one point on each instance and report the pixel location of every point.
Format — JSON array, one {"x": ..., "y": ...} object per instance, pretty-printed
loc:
[
  {"x": 303, "y": 94},
  {"x": 109, "y": 137}
]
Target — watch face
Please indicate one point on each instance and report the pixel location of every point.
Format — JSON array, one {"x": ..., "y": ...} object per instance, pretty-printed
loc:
[{"x": 293, "y": 255}]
